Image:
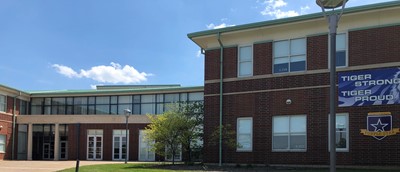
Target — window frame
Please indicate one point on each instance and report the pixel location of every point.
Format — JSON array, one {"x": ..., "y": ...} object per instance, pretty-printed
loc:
[
  {"x": 4, "y": 104},
  {"x": 346, "y": 41},
  {"x": 3, "y": 142},
  {"x": 347, "y": 149},
  {"x": 289, "y": 56},
  {"x": 238, "y": 149},
  {"x": 288, "y": 135},
  {"x": 240, "y": 62}
]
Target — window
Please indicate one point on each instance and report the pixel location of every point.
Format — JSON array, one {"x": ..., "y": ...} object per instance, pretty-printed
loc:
[
  {"x": 148, "y": 105},
  {"x": 342, "y": 132},
  {"x": 177, "y": 155},
  {"x": 245, "y": 61},
  {"x": 341, "y": 46},
  {"x": 36, "y": 106},
  {"x": 289, "y": 133},
  {"x": 245, "y": 134},
  {"x": 290, "y": 55},
  {"x": 23, "y": 108},
  {"x": 124, "y": 102},
  {"x": 3, "y": 103},
  {"x": 2, "y": 143}
]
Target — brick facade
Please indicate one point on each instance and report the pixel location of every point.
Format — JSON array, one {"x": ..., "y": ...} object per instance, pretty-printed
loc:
[
  {"x": 107, "y": 139},
  {"x": 6, "y": 123},
  {"x": 264, "y": 97}
]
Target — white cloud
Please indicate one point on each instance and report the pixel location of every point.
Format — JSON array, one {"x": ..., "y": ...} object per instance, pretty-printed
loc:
[
  {"x": 93, "y": 87},
  {"x": 114, "y": 73},
  {"x": 273, "y": 8},
  {"x": 222, "y": 25},
  {"x": 198, "y": 54},
  {"x": 65, "y": 70},
  {"x": 303, "y": 10}
]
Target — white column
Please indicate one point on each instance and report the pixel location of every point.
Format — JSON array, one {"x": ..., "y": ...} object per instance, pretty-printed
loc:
[
  {"x": 56, "y": 142},
  {"x": 30, "y": 135}
]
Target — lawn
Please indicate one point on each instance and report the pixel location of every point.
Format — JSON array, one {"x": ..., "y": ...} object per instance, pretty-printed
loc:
[{"x": 156, "y": 167}]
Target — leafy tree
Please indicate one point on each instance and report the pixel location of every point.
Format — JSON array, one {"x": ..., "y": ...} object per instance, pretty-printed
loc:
[
  {"x": 228, "y": 137},
  {"x": 177, "y": 129},
  {"x": 193, "y": 136}
]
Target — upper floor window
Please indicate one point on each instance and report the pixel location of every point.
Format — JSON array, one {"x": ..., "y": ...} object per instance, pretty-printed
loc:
[
  {"x": 245, "y": 61},
  {"x": 23, "y": 108},
  {"x": 3, "y": 103},
  {"x": 341, "y": 46},
  {"x": 290, "y": 55}
]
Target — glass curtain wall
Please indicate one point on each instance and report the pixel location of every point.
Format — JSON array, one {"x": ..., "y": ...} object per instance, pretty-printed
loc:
[{"x": 106, "y": 105}]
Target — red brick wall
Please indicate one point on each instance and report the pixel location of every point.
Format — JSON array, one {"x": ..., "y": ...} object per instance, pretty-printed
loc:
[
  {"x": 372, "y": 46},
  {"x": 317, "y": 52},
  {"x": 212, "y": 62},
  {"x": 262, "y": 62},
  {"x": 107, "y": 140},
  {"x": 6, "y": 122},
  {"x": 230, "y": 62}
]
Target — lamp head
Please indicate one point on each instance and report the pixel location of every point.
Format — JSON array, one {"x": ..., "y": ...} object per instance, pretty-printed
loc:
[
  {"x": 127, "y": 112},
  {"x": 329, "y": 4}
]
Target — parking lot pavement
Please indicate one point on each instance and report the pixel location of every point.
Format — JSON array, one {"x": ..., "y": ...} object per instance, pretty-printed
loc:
[{"x": 44, "y": 166}]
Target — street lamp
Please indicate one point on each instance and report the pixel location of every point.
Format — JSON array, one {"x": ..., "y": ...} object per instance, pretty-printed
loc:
[
  {"x": 127, "y": 114},
  {"x": 333, "y": 19}
]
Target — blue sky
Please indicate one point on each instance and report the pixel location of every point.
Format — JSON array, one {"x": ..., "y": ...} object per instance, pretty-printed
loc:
[{"x": 77, "y": 44}]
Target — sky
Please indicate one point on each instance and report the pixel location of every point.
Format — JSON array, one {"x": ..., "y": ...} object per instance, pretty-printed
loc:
[{"x": 78, "y": 44}]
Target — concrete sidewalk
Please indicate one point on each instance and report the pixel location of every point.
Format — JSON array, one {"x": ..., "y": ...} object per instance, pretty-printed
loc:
[{"x": 45, "y": 166}]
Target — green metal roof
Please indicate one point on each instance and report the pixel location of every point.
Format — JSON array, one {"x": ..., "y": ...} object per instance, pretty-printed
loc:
[
  {"x": 111, "y": 91},
  {"x": 293, "y": 19}
]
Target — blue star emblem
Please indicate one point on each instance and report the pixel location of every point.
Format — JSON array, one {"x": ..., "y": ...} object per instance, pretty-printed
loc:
[{"x": 379, "y": 126}]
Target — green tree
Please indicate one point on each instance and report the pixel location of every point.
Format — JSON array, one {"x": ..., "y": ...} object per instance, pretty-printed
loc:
[
  {"x": 228, "y": 137},
  {"x": 193, "y": 136},
  {"x": 178, "y": 129}
]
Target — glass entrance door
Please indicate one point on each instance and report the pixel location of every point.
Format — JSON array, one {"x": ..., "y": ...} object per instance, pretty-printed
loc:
[
  {"x": 95, "y": 145},
  {"x": 63, "y": 150},
  {"x": 145, "y": 154},
  {"x": 48, "y": 150},
  {"x": 120, "y": 148}
]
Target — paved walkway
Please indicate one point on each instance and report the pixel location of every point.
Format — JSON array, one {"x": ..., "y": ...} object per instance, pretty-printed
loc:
[{"x": 45, "y": 166}]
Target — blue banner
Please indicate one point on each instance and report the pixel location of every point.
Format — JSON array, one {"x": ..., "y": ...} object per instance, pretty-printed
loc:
[{"x": 369, "y": 87}]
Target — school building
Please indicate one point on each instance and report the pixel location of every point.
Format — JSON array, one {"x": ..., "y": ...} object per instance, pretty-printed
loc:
[
  {"x": 60, "y": 125},
  {"x": 270, "y": 82}
]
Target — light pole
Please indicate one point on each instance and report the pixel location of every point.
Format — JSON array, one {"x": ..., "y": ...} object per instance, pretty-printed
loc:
[
  {"x": 333, "y": 19},
  {"x": 127, "y": 114}
]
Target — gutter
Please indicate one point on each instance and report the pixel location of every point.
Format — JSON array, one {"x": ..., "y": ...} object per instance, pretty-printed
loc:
[
  {"x": 13, "y": 126},
  {"x": 220, "y": 95}
]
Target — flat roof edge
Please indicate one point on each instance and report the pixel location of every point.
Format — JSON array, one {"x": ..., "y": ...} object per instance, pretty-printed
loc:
[
  {"x": 110, "y": 91},
  {"x": 292, "y": 19}
]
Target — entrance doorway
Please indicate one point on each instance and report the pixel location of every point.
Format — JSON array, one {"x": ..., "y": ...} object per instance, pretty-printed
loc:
[
  {"x": 63, "y": 150},
  {"x": 120, "y": 146},
  {"x": 95, "y": 145},
  {"x": 145, "y": 154}
]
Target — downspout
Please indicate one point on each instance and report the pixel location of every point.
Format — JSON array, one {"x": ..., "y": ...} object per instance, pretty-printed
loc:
[
  {"x": 220, "y": 95},
  {"x": 13, "y": 126}
]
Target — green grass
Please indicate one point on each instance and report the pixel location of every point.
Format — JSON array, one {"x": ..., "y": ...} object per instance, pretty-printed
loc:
[
  {"x": 118, "y": 168},
  {"x": 156, "y": 167}
]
